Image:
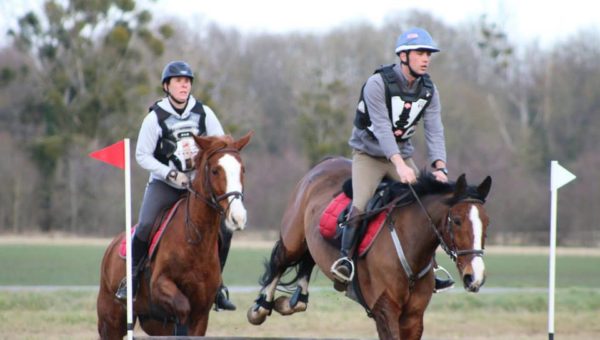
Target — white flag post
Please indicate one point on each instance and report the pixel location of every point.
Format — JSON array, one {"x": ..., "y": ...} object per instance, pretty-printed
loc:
[
  {"x": 128, "y": 241},
  {"x": 559, "y": 176}
]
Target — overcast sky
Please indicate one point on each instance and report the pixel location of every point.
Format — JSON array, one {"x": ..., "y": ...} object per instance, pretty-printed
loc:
[
  {"x": 525, "y": 20},
  {"x": 545, "y": 21}
]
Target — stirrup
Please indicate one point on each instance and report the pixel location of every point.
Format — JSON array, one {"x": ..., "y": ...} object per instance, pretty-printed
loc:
[
  {"x": 449, "y": 279},
  {"x": 121, "y": 292},
  {"x": 340, "y": 276},
  {"x": 222, "y": 301}
]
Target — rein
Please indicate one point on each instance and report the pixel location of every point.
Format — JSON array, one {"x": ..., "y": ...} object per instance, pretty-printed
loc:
[
  {"x": 210, "y": 198},
  {"x": 453, "y": 253}
]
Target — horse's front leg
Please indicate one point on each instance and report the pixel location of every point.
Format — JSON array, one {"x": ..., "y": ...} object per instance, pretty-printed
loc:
[
  {"x": 411, "y": 326},
  {"x": 411, "y": 323},
  {"x": 386, "y": 314},
  {"x": 199, "y": 322},
  {"x": 166, "y": 294},
  {"x": 258, "y": 312}
]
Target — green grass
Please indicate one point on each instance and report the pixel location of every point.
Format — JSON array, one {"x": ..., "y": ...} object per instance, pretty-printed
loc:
[
  {"x": 50, "y": 264},
  {"x": 80, "y": 265},
  {"x": 66, "y": 313}
]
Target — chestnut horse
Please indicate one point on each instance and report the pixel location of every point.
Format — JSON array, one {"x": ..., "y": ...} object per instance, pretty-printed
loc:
[
  {"x": 179, "y": 284},
  {"x": 394, "y": 281}
]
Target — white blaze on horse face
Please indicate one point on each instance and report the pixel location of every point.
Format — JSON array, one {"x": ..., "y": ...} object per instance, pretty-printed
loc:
[
  {"x": 236, "y": 216},
  {"x": 477, "y": 261}
]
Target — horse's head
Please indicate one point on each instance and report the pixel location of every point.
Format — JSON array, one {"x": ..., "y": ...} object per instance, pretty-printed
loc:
[
  {"x": 219, "y": 178},
  {"x": 465, "y": 231}
]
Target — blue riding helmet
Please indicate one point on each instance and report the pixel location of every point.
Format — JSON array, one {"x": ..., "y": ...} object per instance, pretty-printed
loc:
[
  {"x": 416, "y": 39},
  {"x": 177, "y": 69}
]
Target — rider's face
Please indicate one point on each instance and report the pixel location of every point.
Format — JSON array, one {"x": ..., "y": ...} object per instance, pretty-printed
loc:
[
  {"x": 179, "y": 88},
  {"x": 419, "y": 60}
]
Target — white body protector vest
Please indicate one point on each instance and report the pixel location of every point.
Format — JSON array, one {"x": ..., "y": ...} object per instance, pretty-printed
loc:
[
  {"x": 404, "y": 110},
  {"x": 186, "y": 149},
  {"x": 177, "y": 147}
]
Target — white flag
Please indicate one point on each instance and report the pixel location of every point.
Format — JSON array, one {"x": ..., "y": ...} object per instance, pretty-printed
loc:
[{"x": 559, "y": 176}]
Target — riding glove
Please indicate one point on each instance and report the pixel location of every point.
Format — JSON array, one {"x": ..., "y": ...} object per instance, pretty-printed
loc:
[{"x": 178, "y": 179}]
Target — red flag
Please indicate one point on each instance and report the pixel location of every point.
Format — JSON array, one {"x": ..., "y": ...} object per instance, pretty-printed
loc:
[{"x": 113, "y": 154}]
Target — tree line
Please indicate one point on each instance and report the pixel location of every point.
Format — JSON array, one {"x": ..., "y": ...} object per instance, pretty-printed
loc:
[{"x": 83, "y": 74}]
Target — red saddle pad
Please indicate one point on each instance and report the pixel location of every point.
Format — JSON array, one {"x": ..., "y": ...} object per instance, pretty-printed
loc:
[{"x": 328, "y": 222}]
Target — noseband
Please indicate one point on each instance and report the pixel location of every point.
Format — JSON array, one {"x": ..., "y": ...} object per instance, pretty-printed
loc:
[
  {"x": 210, "y": 198},
  {"x": 452, "y": 251}
]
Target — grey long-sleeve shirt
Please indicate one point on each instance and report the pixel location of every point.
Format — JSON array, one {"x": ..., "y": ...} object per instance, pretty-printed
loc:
[
  {"x": 385, "y": 144},
  {"x": 151, "y": 131}
]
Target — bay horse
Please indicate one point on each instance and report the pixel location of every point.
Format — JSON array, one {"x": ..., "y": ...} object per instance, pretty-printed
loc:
[
  {"x": 394, "y": 283},
  {"x": 179, "y": 283}
]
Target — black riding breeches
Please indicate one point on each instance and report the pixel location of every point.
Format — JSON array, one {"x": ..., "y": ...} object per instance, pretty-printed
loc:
[{"x": 157, "y": 197}]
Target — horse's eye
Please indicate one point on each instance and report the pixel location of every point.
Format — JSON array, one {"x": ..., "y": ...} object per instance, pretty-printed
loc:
[
  {"x": 456, "y": 220},
  {"x": 214, "y": 171}
]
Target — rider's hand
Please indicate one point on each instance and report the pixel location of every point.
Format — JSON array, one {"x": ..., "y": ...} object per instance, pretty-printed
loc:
[
  {"x": 440, "y": 175},
  {"x": 178, "y": 179},
  {"x": 406, "y": 173}
]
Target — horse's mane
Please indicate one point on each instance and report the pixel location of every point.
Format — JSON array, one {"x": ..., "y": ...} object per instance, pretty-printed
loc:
[{"x": 427, "y": 185}]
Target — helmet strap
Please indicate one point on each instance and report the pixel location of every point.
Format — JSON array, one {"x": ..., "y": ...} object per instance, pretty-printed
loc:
[{"x": 407, "y": 63}]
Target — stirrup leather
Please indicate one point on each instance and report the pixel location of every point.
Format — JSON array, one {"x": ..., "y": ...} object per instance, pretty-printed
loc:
[{"x": 339, "y": 275}]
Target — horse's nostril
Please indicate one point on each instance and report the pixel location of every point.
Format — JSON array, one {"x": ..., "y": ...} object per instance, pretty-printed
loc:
[
  {"x": 234, "y": 220},
  {"x": 468, "y": 280}
]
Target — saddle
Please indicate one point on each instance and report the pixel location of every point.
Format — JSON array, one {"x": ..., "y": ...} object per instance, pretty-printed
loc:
[
  {"x": 157, "y": 231},
  {"x": 335, "y": 215}
]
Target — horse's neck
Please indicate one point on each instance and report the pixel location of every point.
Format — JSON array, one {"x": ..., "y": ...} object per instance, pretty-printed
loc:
[
  {"x": 204, "y": 219},
  {"x": 421, "y": 235}
]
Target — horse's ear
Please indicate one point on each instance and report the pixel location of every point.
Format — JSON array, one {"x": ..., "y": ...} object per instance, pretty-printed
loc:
[
  {"x": 461, "y": 186},
  {"x": 203, "y": 142},
  {"x": 240, "y": 143},
  {"x": 484, "y": 188}
]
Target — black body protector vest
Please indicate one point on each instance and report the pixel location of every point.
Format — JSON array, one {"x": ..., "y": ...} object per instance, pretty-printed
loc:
[
  {"x": 176, "y": 145},
  {"x": 404, "y": 109}
]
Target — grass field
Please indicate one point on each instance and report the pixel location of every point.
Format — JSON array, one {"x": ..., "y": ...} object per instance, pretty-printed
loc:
[{"x": 68, "y": 313}]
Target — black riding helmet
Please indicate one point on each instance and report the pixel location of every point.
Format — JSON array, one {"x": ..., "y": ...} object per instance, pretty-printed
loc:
[{"x": 176, "y": 69}]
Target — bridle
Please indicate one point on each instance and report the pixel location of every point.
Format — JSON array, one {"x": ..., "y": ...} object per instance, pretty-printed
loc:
[
  {"x": 210, "y": 198},
  {"x": 451, "y": 250}
]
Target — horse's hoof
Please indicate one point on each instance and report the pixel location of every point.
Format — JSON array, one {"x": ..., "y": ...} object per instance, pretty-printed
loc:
[
  {"x": 257, "y": 316},
  {"x": 282, "y": 305}
]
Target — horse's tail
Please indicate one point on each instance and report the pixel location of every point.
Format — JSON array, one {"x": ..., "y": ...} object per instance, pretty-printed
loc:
[{"x": 278, "y": 265}]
